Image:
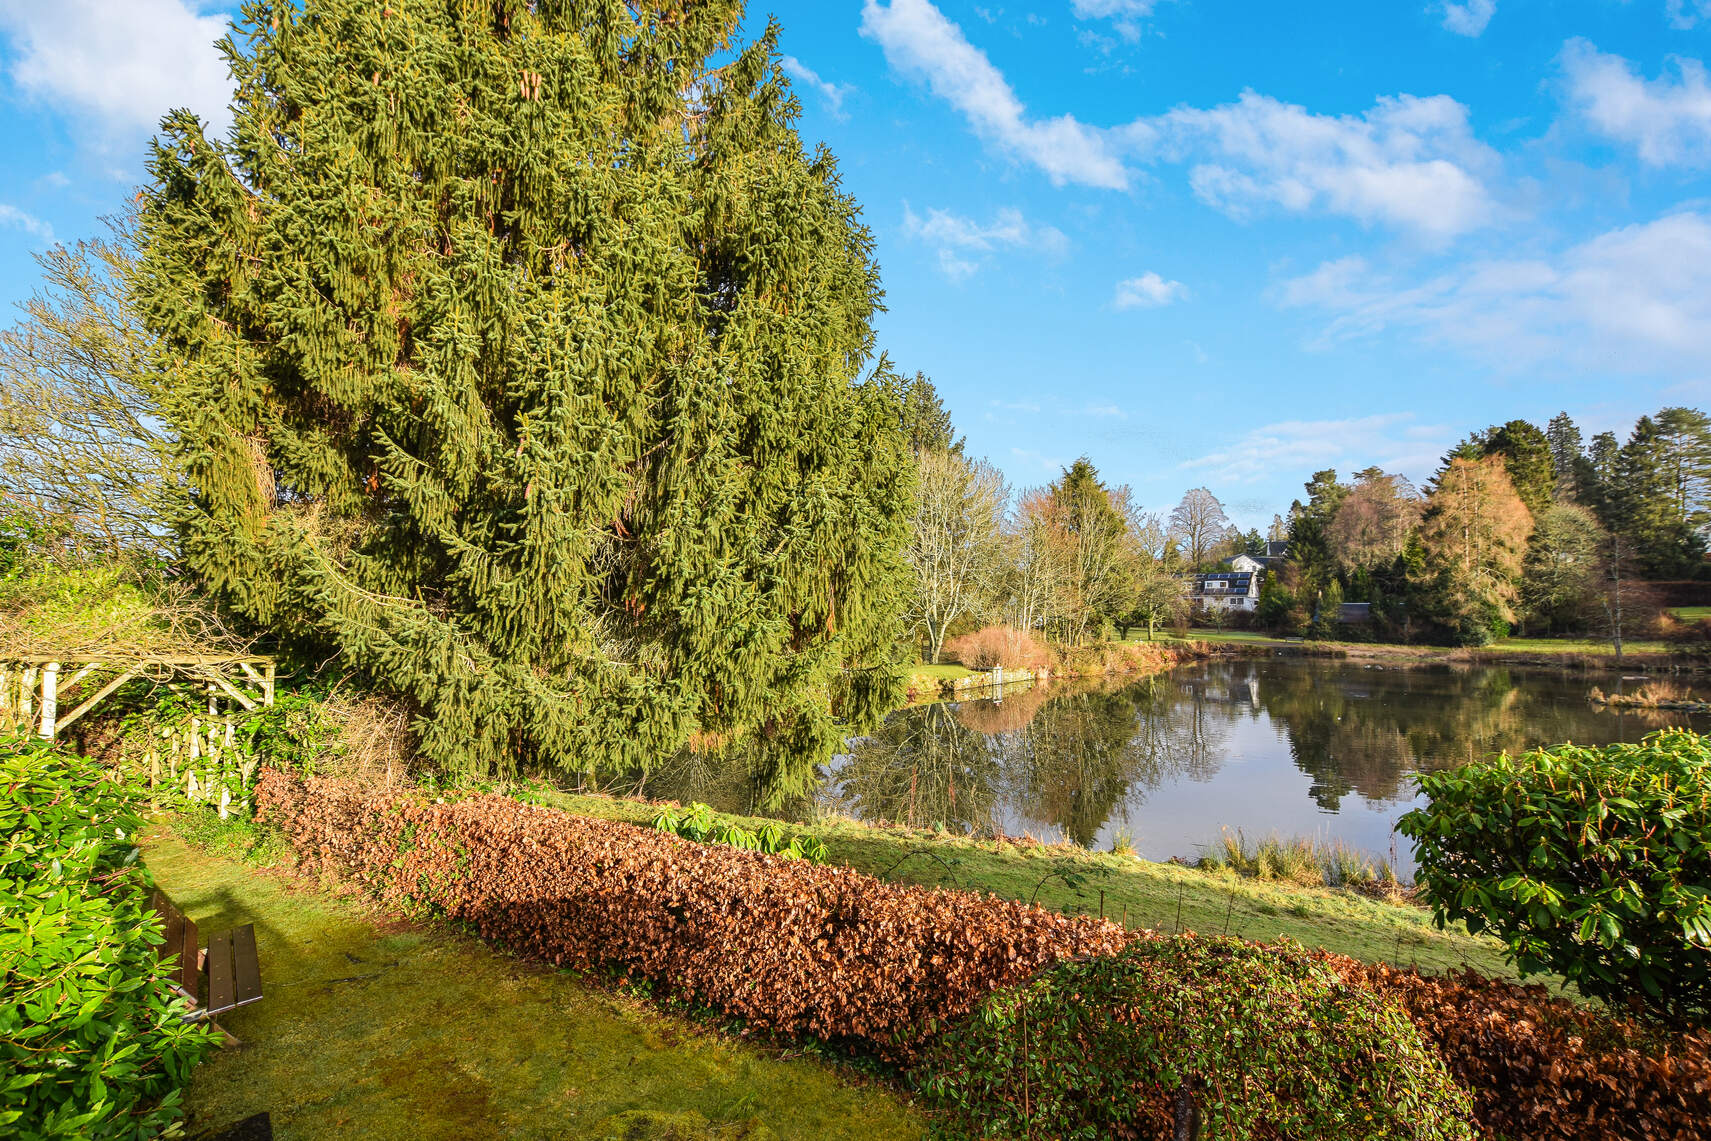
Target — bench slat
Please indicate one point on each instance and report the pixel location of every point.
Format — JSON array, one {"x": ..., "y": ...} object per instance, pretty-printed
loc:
[
  {"x": 247, "y": 964},
  {"x": 221, "y": 987},
  {"x": 180, "y": 932},
  {"x": 189, "y": 966}
]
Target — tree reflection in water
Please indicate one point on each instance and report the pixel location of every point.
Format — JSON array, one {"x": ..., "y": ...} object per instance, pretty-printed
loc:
[{"x": 1078, "y": 761}]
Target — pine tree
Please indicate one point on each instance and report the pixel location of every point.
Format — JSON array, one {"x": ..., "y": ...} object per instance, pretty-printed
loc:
[
  {"x": 1527, "y": 455},
  {"x": 925, "y": 420},
  {"x": 514, "y": 350},
  {"x": 1567, "y": 457},
  {"x": 1646, "y": 507}
]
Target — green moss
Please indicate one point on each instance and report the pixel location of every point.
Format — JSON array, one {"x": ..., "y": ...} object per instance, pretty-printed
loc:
[
  {"x": 1165, "y": 897},
  {"x": 375, "y": 1029}
]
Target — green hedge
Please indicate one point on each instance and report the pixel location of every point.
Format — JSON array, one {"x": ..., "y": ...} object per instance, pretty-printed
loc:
[
  {"x": 1266, "y": 1042},
  {"x": 1594, "y": 864},
  {"x": 92, "y": 1044}
]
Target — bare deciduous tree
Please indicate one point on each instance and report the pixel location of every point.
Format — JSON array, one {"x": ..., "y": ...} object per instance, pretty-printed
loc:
[
  {"x": 957, "y": 549},
  {"x": 1198, "y": 523},
  {"x": 81, "y": 446},
  {"x": 1375, "y": 519}
]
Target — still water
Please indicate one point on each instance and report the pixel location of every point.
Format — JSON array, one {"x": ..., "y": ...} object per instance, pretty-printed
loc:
[{"x": 1285, "y": 746}]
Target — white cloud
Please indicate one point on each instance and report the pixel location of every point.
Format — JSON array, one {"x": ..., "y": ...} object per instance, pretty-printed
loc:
[
  {"x": 1667, "y": 121},
  {"x": 832, "y": 93},
  {"x": 919, "y": 41},
  {"x": 959, "y": 239},
  {"x": 1106, "y": 9},
  {"x": 1148, "y": 291},
  {"x": 1410, "y": 161},
  {"x": 1684, "y": 14},
  {"x": 122, "y": 63},
  {"x": 1389, "y": 440},
  {"x": 1635, "y": 300},
  {"x": 1468, "y": 19},
  {"x": 29, "y": 223}
]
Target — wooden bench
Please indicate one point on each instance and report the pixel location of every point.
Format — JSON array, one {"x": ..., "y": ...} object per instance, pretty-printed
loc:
[{"x": 224, "y": 977}]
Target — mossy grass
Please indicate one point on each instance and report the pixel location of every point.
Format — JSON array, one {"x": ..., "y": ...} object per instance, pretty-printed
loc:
[
  {"x": 376, "y": 1028},
  {"x": 1164, "y": 897}
]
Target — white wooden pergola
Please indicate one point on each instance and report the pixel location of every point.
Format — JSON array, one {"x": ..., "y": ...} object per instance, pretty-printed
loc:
[{"x": 32, "y": 686}]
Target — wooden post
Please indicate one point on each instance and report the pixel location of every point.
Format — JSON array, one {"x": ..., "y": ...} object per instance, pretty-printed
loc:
[
  {"x": 50, "y": 699},
  {"x": 267, "y": 685},
  {"x": 213, "y": 693},
  {"x": 26, "y": 693}
]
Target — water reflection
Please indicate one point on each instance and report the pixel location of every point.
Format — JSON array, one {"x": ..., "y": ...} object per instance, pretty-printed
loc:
[{"x": 1292, "y": 746}]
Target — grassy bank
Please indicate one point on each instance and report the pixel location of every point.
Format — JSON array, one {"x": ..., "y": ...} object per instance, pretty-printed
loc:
[
  {"x": 1568, "y": 653},
  {"x": 376, "y": 1028},
  {"x": 1165, "y": 897},
  {"x": 926, "y": 683}
]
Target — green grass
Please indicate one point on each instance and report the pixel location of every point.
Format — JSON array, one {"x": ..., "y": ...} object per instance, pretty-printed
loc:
[
  {"x": 375, "y": 1028},
  {"x": 1541, "y": 646},
  {"x": 1165, "y": 897},
  {"x": 1691, "y": 613},
  {"x": 941, "y": 671}
]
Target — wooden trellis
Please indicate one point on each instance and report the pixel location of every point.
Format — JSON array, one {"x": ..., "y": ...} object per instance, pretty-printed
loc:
[{"x": 31, "y": 687}]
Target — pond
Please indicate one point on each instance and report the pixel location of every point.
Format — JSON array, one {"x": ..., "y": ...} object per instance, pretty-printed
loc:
[
  {"x": 1266, "y": 746},
  {"x": 1291, "y": 747}
]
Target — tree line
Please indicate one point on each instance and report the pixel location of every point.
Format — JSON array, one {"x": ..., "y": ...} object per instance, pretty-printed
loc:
[{"x": 1521, "y": 529}]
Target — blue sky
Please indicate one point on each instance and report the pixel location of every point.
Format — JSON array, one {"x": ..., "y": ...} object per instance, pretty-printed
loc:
[{"x": 1204, "y": 243}]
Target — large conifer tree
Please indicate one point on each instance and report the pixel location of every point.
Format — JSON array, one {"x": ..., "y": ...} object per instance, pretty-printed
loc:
[{"x": 514, "y": 350}]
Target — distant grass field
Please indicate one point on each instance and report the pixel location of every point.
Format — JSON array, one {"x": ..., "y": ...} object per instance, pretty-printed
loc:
[
  {"x": 1691, "y": 613},
  {"x": 1540, "y": 646}
]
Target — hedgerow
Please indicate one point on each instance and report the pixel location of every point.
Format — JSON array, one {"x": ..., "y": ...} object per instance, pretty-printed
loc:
[
  {"x": 785, "y": 945},
  {"x": 884, "y": 969},
  {"x": 1547, "y": 1069},
  {"x": 92, "y": 1042},
  {"x": 1259, "y": 1041}
]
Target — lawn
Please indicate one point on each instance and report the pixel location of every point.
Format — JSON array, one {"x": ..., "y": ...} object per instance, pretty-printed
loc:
[
  {"x": 1165, "y": 897},
  {"x": 1691, "y": 613},
  {"x": 377, "y": 1028},
  {"x": 1542, "y": 646}
]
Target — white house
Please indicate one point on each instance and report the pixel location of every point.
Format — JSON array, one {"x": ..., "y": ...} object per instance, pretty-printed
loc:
[{"x": 1227, "y": 590}]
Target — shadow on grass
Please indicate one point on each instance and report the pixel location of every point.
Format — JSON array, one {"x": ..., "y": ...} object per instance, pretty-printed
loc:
[{"x": 375, "y": 1028}]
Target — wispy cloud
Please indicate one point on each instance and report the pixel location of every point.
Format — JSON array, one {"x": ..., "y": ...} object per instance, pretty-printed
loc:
[
  {"x": 960, "y": 240},
  {"x": 1126, "y": 14},
  {"x": 121, "y": 66},
  {"x": 920, "y": 42},
  {"x": 1410, "y": 161},
  {"x": 1468, "y": 19},
  {"x": 1685, "y": 14},
  {"x": 1390, "y": 440},
  {"x": 1635, "y": 300},
  {"x": 29, "y": 223},
  {"x": 1666, "y": 121},
  {"x": 832, "y": 94},
  {"x": 1148, "y": 291}
]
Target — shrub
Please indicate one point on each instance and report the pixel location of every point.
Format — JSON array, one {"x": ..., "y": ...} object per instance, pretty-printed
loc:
[
  {"x": 92, "y": 1042},
  {"x": 1594, "y": 863},
  {"x": 785, "y": 945},
  {"x": 992, "y": 646},
  {"x": 1543, "y": 1068},
  {"x": 1264, "y": 1040}
]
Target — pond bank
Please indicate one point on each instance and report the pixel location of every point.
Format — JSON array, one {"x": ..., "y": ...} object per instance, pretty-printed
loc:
[
  {"x": 1161, "y": 896},
  {"x": 379, "y": 1028},
  {"x": 1541, "y": 652},
  {"x": 929, "y": 683}
]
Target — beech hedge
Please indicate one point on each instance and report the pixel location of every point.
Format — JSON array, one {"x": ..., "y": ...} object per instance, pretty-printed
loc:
[
  {"x": 787, "y": 945},
  {"x": 886, "y": 969},
  {"x": 1541, "y": 1068}
]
